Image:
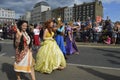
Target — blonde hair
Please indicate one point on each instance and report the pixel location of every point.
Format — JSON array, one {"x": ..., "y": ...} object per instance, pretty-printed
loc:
[{"x": 70, "y": 23}]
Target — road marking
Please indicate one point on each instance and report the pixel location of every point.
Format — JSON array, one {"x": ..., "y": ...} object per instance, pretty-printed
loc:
[
  {"x": 89, "y": 66},
  {"x": 81, "y": 65},
  {"x": 12, "y": 57},
  {"x": 7, "y": 42},
  {"x": 3, "y": 54},
  {"x": 98, "y": 46}
]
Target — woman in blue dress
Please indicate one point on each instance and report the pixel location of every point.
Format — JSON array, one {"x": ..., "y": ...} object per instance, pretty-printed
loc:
[{"x": 60, "y": 37}]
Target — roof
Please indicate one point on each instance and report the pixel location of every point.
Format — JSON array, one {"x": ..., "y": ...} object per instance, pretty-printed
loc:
[
  {"x": 6, "y": 9},
  {"x": 41, "y": 3}
]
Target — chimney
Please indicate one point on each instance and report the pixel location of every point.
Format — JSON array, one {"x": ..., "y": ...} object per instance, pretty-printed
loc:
[
  {"x": 48, "y": 9},
  {"x": 75, "y": 4}
]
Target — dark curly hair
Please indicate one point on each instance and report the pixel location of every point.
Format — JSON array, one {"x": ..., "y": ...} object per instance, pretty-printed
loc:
[{"x": 21, "y": 44}]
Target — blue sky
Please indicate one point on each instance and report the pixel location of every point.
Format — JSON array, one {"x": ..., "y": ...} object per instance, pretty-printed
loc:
[
  {"x": 112, "y": 10},
  {"x": 111, "y": 7}
]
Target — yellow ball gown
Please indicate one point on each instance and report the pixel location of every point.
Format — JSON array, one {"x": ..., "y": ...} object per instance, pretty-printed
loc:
[{"x": 49, "y": 56}]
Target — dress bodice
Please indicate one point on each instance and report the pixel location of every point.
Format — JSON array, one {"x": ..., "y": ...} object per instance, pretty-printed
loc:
[{"x": 48, "y": 35}]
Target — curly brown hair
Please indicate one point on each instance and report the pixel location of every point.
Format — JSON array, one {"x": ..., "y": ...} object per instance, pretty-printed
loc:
[{"x": 47, "y": 25}]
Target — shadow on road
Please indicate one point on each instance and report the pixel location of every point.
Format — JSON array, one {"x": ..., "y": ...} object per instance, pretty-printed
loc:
[
  {"x": 112, "y": 55},
  {"x": 111, "y": 51},
  {"x": 9, "y": 70},
  {"x": 114, "y": 62},
  {"x": 104, "y": 76}
]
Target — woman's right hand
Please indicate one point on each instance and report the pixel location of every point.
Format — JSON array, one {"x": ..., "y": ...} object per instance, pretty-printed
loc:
[
  {"x": 70, "y": 39},
  {"x": 14, "y": 28}
]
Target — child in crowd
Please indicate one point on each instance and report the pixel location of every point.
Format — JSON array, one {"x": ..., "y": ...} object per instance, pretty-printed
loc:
[{"x": 108, "y": 40}]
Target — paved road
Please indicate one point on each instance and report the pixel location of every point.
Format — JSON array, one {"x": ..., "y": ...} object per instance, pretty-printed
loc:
[
  {"x": 96, "y": 62},
  {"x": 97, "y": 56},
  {"x": 89, "y": 55}
]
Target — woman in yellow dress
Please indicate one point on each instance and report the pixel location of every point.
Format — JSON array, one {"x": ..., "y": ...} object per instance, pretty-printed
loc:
[{"x": 49, "y": 56}]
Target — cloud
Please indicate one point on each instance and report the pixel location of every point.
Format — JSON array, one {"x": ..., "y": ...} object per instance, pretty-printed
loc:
[
  {"x": 20, "y": 6},
  {"x": 60, "y": 3},
  {"x": 110, "y": 1}
]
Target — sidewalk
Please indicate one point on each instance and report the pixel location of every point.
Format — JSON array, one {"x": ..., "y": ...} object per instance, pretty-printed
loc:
[
  {"x": 92, "y": 43},
  {"x": 72, "y": 72},
  {"x": 79, "y": 44},
  {"x": 98, "y": 45}
]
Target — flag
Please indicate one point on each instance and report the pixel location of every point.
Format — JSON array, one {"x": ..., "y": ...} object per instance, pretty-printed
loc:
[{"x": 98, "y": 19}]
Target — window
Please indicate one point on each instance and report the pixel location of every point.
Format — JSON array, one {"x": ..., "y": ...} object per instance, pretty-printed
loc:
[
  {"x": 92, "y": 6},
  {"x": 79, "y": 8},
  {"x": 83, "y": 17},
  {"x": 83, "y": 12},
  {"x": 87, "y": 12},
  {"x": 91, "y": 12},
  {"x": 2, "y": 13},
  {"x": 79, "y": 14},
  {"x": 8, "y": 15},
  {"x": 84, "y": 8},
  {"x": 5, "y": 15},
  {"x": 91, "y": 16},
  {"x": 76, "y": 13},
  {"x": 87, "y": 7}
]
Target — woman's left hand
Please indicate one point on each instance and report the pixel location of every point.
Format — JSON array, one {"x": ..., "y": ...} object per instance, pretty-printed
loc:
[{"x": 62, "y": 33}]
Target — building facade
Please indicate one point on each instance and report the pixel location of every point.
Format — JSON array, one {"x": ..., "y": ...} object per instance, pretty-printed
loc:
[
  {"x": 26, "y": 16},
  {"x": 7, "y": 16},
  {"x": 68, "y": 14},
  {"x": 91, "y": 9},
  {"x": 46, "y": 15},
  {"x": 37, "y": 11},
  {"x": 59, "y": 12}
]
